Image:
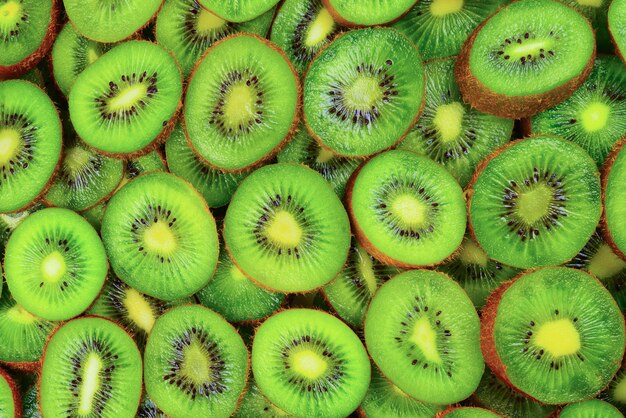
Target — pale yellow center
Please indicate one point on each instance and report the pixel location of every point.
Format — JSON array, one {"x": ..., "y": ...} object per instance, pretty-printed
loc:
[
  {"x": 10, "y": 10},
  {"x": 619, "y": 393},
  {"x": 605, "y": 263},
  {"x": 76, "y": 158},
  {"x": 196, "y": 365},
  {"x": 127, "y": 97},
  {"x": 53, "y": 267},
  {"x": 236, "y": 274},
  {"x": 410, "y": 210},
  {"x": 440, "y": 8},
  {"x": 365, "y": 267},
  {"x": 208, "y": 22},
  {"x": 534, "y": 204},
  {"x": 309, "y": 364},
  {"x": 239, "y": 105},
  {"x": 591, "y": 3},
  {"x": 324, "y": 155},
  {"x": 92, "y": 55},
  {"x": 9, "y": 145},
  {"x": 449, "y": 121},
  {"x": 471, "y": 253},
  {"x": 284, "y": 229},
  {"x": 159, "y": 238},
  {"x": 425, "y": 338},
  {"x": 322, "y": 26},
  {"x": 559, "y": 338},
  {"x": 20, "y": 315},
  {"x": 139, "y": 310},
  {"x": 595, "y": 116},
  {"x": 363, "y": 94},
  {"x": 528, "y": 47},
  {"x": 90, "y": 383}
]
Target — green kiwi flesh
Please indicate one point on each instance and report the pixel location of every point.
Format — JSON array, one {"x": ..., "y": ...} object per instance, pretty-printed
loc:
[
  {"x": 590, "y": 409},
  {"x": 254, "y": 404},
  {"x": 613, "y": 187},
  {"x": 238, "y": 11},
  {"x": 616, "y": 17},
  {"x": 10, "y": 401},
  {"x": 467, "y": 412},
  {"x": 367, "y": 12}
]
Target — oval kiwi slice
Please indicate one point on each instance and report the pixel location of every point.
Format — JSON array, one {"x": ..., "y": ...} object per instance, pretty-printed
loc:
[
  {"x": 241, "y": 103},
  {"x": 91, "y": 367},
  {"x": 286, "y": 229},
  {"x": 55, "y": 264},
  {"x": 590, "y": 409},
  {"x": 160, "y": 236},
  {"x": 613, "y": 195},
  {"x": 367, "y": 12},
  {"x": 125, "y": 103},
  {"x": 526, "y": 58},
  {"x": 359, "y": 100},
  {"x": 423, "y": 332},
  {"x": 238, "y": 11},
  {"x": 530, "y": 207},
  {"x": 309, "y": 363},
  {"x": 195, "y": 364},
  {"x": 551, "y": 347},
  {"x": 617, "y": 29},
  {"x": 406, "y": 210},
  {"x": 10, "y": 401}
]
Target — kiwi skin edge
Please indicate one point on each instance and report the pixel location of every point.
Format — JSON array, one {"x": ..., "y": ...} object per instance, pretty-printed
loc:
[
  {"x": 615, "y": 47},
  {"x": 482, "y": 98},
  {"x": 606, "y": 170},
  {"x": 17, "y": 400},
  {"x": 343, "y": 22}
]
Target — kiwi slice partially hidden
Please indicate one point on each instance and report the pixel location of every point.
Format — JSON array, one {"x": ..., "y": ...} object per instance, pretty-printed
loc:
[
  {"x": 360, "y": 99},
  {"x": 148, "y": 409},
  {"x": 613, "y": 196},
  {"x": 529, "y": 207},
  {"x": 254, "y": 404},
  {"x": 617, "y": 29},
  {"x": 551, "y": 348},
  {"x": 367, "y": 12},
  {"x": 467, "y": 412},
  {"x": 241, "y": 103},
  {"x": 10, "y": 401},
  {"x": 615, "y": 393},
  {"x": 160, "y": 237},
  {"x": 10, "y": 221},
  {"x": 125, "y": 103},
  {"x": 286, "y": 229},
  {"x": 238, "y": 11},
  {"x": 590, "y": 409},
  {"x": 195, "y": 363},
  {"x": 91, "y": 367},
  {"x": 30, "y": 144},
  {"x": 423, "y": 332},
  {"x": 526, "y": 58},
  {"x": 309, "y": 363},
  {"x": 406, "y": 210},
  {"x": 596, "y": 12}
]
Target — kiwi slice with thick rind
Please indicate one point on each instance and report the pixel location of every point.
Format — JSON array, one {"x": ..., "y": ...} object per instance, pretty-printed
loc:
[
  {"x": 126, "y": 102},
  {"x": 530, "y": 207},
  {"x": 423, "y": 332},
  {"x": 30, "y": 138},
  {"x": 359, "y": 100},
  {"x": 527, "y": 57},
  {"x": 467, "y": 412},
  {"x": 195, "y": 363},
  {"x": 309, "y": 363},
  {"x": 10, "y": 400},
  {"x": 594, "y": 117},
  {"x": 406, "y": 209},
  {"x": 160, "y": 236},
  {"x": 242, "y": 103},
  {"x": 551, "y": 348},
  {"x": 451, "y": 132},
  {"x": 617, "y": 29},
  {"x": 613, "y": 193},
  {"x": 367, "y": 12},
  {"x": 91, "y": 367},
  {"x": 255, "y": 405},
  {"x": 55, "y": 264},
  {"x": 594, "y": 408}
]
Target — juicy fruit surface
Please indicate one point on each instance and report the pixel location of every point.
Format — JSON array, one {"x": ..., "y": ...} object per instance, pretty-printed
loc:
[
  {"x": 7, "y": 400},
  {"x": 369, "y": 12},
  {"x": 23, "y": 27},
  {"x": 616, "y": 16},
  {"x": 615, "y": 190},
  {"x": 590, "y": 409},
  {"x": 238, "y": 11}
]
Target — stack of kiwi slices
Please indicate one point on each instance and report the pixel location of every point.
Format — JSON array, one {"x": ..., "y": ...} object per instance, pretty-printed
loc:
[{"x": 312, "y": 208}]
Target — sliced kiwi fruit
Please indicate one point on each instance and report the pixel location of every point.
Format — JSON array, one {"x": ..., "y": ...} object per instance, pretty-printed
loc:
[
  {"x": 423, "y": 332},
  {"x": 551, "y": 348},
  {"x": 55, "y": 264},
  {"x": 527, "y": 57},
  {"x": 30, "y": 402},
  {"x": 451, "y": 132},
  {"x": 530, "y": 207},
  {"x": 148, "y": 163},
  {"x": 238, "y": 11},
  {"x": 590, "y": 409},
  {"x": 467, "y": 412},
  {"x": 617, "y": 30},
  {"x": 255, "y": 405},
  {"x": 286, "y": 229},
  {"x": 302, "y": 28},
  {"x": 10, "y": 221},
  {"x": 358, "y": 99},
  {"x": 613, "y": 195},
  {"x": 148, "y": 409},
  {"x": 195, "y": 363},
  {"x": 91, "y": 367},
  {"x": 615, "y": 393},
  {"x": 10, "y": 400},
  {"x": 126, "y": 102},
  {"x": 242, "y": 103},
  {"x": 367, "y": 12},
  {"x": 309, "y": 363},
  {"x": 594, "y": 117},
  {"x": 439, "y": 27},
  {"x": 160, "y": 237},
  {"x": 596, "y": 12},
  {"x": 187, "y": 29},
  {"x": 406, "y": 210},
  {"x": 30, "y": 144}
]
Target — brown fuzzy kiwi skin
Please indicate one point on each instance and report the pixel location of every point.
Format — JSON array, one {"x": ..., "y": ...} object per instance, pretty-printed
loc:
[
  {"x": 294, "y": 123},
  {"x": 344, "y": 22},
  {"x": 606, "y": 170},
  {"x": 17, "y": 399},
  {"x": 485, "y": 100}
]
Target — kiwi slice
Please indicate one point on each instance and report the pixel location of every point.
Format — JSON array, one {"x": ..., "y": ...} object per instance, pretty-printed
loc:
[
  {"x": 451, "y": 132},
  {"x": 360, "y": 99},
  {"x": 613, "y": 195},
  {"x": 286, "y": 229},
  {"x": 590, "y": 409},
  {"x": 126, "y": 102},
  {"x": 110, "y": 21},
  {"x": 30, "y": 144},
  {"x": 617, "y": 30},
  {"x": 148, "y": 409},
  {"x": 302, "y": 28},
  {"x": 148, "y": 163},
  {"x": 367, "y": 12},
  {"x": 406, "y": 210},
  {"x": 594, "y": 117},
  {"x": 160, "y": 237},
  {"x": 217, "y": 187},
  {"x": 27, "y": 31},
  {"x": 241, "y": 103},
  {"x": 187, "y": 29},
  {"x": 10, "y": 221},
  {"x": 551, "y": 348},
  {"x": 255, "y": 405},
  {"x": 615, "y": 393},
  {"x": 423, "y": 332},
  {"x": 309, "y": 363},
  {"x": 530, "y": 207},
  {"x": 596, "y": 12},
  {"x": 467, "y": 412},
  {"x": 91, "y": 367},
  {"x": 195, "y": 363},
  {"x": 238, "y": 11},
  {"x": 439, "y": 27},
  {"x": 527, "y": 57},
  {"x": 55, "y": 264},
  {"x": 10, "y": 400}
]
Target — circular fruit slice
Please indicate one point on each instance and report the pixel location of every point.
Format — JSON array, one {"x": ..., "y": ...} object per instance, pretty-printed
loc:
[
  {"x": 10, "y": 401},
  {"x": 530, "y": 206},
  {"x": 593, "y": 408},
  {"x": 286, "y": 229},
  {"x": 614, "y": 194},
  {"x": 195, "y": 363},
  {"x": 423, "y": 332},
  {"x": 55, "y": 264},
  {"x": 617, "y": 29},
  {"x": 238, "y": 11},
  {"x": 551, "y": 347},
  {"x": 467, "y": 412},
  {"x": 359, "y": 100},
  {"x": 406, "y": 210},
  {"x": 314, "y": 355},
  {"x": 367, "y": 12}
]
